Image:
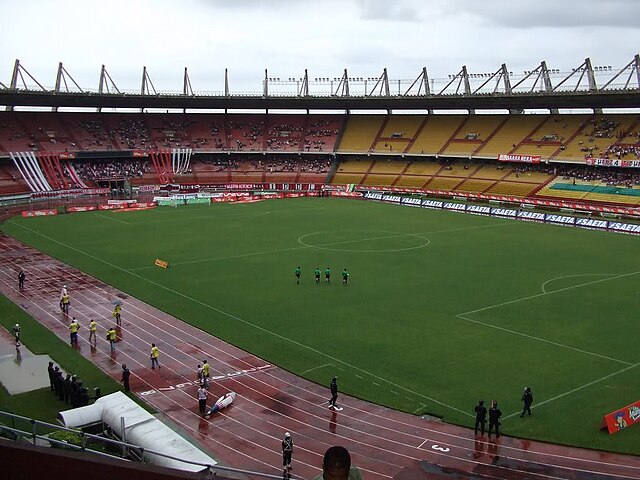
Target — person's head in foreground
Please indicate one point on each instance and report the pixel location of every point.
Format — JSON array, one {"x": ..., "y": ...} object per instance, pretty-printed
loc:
[{"x": 336, "y": 465}]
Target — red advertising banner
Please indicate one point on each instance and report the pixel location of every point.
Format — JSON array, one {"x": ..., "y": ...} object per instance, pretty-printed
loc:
[
  {"x": 86, "y": 208},
  {"x": 111, "y": 207},
  {"x": 622, "y": 418},
  {"x": 519, "y": 158},
  {"x": 148, "y": 188},
  {"x": 39, "y": 213},
  {"x": 615, "y": 162}
]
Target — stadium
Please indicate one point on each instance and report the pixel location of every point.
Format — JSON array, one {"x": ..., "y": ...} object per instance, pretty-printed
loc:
[{"x": 517, "y": 266}]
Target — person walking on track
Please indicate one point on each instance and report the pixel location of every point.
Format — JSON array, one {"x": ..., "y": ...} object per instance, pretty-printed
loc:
[
  {"x": 155, "y": 353},
  {"x": 334, "y": 393}
]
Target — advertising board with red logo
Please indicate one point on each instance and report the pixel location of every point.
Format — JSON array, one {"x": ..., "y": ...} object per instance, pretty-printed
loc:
[
  {"x": 39, "y": 213},
  {"x": 622, "y": 418},
  {"x": 86, "y": 208},
  {"x": 613, "y": 162}
]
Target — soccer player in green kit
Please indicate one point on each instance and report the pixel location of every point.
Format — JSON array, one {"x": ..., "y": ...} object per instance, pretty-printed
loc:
[
  {"x": 316, "y": 272},
  {"x": 298, "y": 275},
  {"x": 345, "y": 276},
  {"x": 327, "y": 276}
]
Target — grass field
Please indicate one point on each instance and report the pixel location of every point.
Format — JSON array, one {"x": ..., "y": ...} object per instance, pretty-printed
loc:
[{"x": 441, "y": 309}]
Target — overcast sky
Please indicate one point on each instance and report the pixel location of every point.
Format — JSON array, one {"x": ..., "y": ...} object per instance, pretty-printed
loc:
[{"x": 325, "y": 36}]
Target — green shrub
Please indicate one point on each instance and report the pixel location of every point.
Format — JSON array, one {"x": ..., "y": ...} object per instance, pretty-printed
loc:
[{"x": 71, "y": 438}]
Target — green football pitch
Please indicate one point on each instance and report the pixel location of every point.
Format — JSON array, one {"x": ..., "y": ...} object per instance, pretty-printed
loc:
[{"x": 441, "y": 308}]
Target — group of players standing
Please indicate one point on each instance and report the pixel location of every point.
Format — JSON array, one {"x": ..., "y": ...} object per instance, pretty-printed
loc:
[{"x": 327, "y": 275}]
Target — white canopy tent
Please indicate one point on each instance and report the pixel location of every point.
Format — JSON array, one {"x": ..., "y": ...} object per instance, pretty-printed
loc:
[{"x": 141, "y": 429}]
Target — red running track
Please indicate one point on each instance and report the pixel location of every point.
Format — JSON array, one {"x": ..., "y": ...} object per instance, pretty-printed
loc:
[{"x": 383, "y": 443}]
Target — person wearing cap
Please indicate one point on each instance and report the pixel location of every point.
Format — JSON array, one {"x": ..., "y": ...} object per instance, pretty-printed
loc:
[
  {"x": 64, "y": 303},
  {"x": 287, "y": 451},
  {"x": 481, "y": 417},
  {"x": 126, "y": 373},
  {"x": 334, "y": 393},
  {"x": 527, "y": 398},
  {"x": 16, "y": 333},
  {"x": 494, "y": 418}
]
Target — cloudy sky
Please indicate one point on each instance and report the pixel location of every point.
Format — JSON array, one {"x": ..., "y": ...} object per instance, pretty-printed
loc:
[{"x": 325, "y": 36}]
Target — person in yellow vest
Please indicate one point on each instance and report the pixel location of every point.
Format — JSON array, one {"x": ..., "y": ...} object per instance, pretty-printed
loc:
[
  {"x": 111, "y": 336},
  {"x": 205, "y": 374},
  {"x": 64, "y": 303},
  {"x": 116, "y": 314},
  {"x": 155, "y": 353},
  {"x": 93, "y": 327},
  {"x": 73, "y": 331}
]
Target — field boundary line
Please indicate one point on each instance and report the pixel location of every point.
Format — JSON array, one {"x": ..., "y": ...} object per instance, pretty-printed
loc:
[
  {"x": 576, "y": 389},
  {"x": 544, "y": 340},
  {"x": 509, "y": 302},
  {"x": 248, "y": 323}
]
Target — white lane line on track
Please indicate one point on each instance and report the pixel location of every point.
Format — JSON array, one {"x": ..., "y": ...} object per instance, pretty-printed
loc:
[
  {"x": 508, "y": 447},
  {"x": 159, "y": 390},
  {"x": 503, "y": 447},
  {"x": 250, "y": 324},
  {"x": 133, "y": 360}
]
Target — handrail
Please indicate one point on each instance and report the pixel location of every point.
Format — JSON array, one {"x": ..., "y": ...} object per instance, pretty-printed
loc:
[{"x": 140, "y": 450}]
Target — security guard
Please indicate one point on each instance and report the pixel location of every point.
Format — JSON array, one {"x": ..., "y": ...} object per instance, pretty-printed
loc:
[
  {"x": 494, "y": 418},
  {"x": 527, "y": 398},
  {"x": 481, "y": 416}
]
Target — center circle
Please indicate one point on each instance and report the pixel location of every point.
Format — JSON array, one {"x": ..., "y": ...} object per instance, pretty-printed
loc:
[{"x": 368, "y": 236}]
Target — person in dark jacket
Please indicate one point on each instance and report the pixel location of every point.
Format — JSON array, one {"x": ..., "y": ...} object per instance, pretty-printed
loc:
[
  {"x": 334, "y": 393},
  {"x": 481, "y": 416},
  {"x": 60, "y": 380},
  {"x": 527, "y": 398},
  {"x": 21, "y": 277},
  {"x": 126, "y": 373},
  {"x": 287, "y": 451},
  {"x": 494, "y": 418},
  {"x": 51, "y": 370},
  {"x": 66, "y": 388}
]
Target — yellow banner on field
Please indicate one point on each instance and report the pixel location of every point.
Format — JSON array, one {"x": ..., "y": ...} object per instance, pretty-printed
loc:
[{"x": 161, "y": 263}]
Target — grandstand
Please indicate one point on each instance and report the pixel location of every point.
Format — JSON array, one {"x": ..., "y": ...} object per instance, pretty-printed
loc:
[
  {"x": 455, "y": 153},
  {"x": 591, "y": 158}
]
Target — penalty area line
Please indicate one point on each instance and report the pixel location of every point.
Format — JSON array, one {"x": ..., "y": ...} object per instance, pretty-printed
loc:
[
  {"x": 577, "y": 389},
  {"x": 544, "y": 340}
]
